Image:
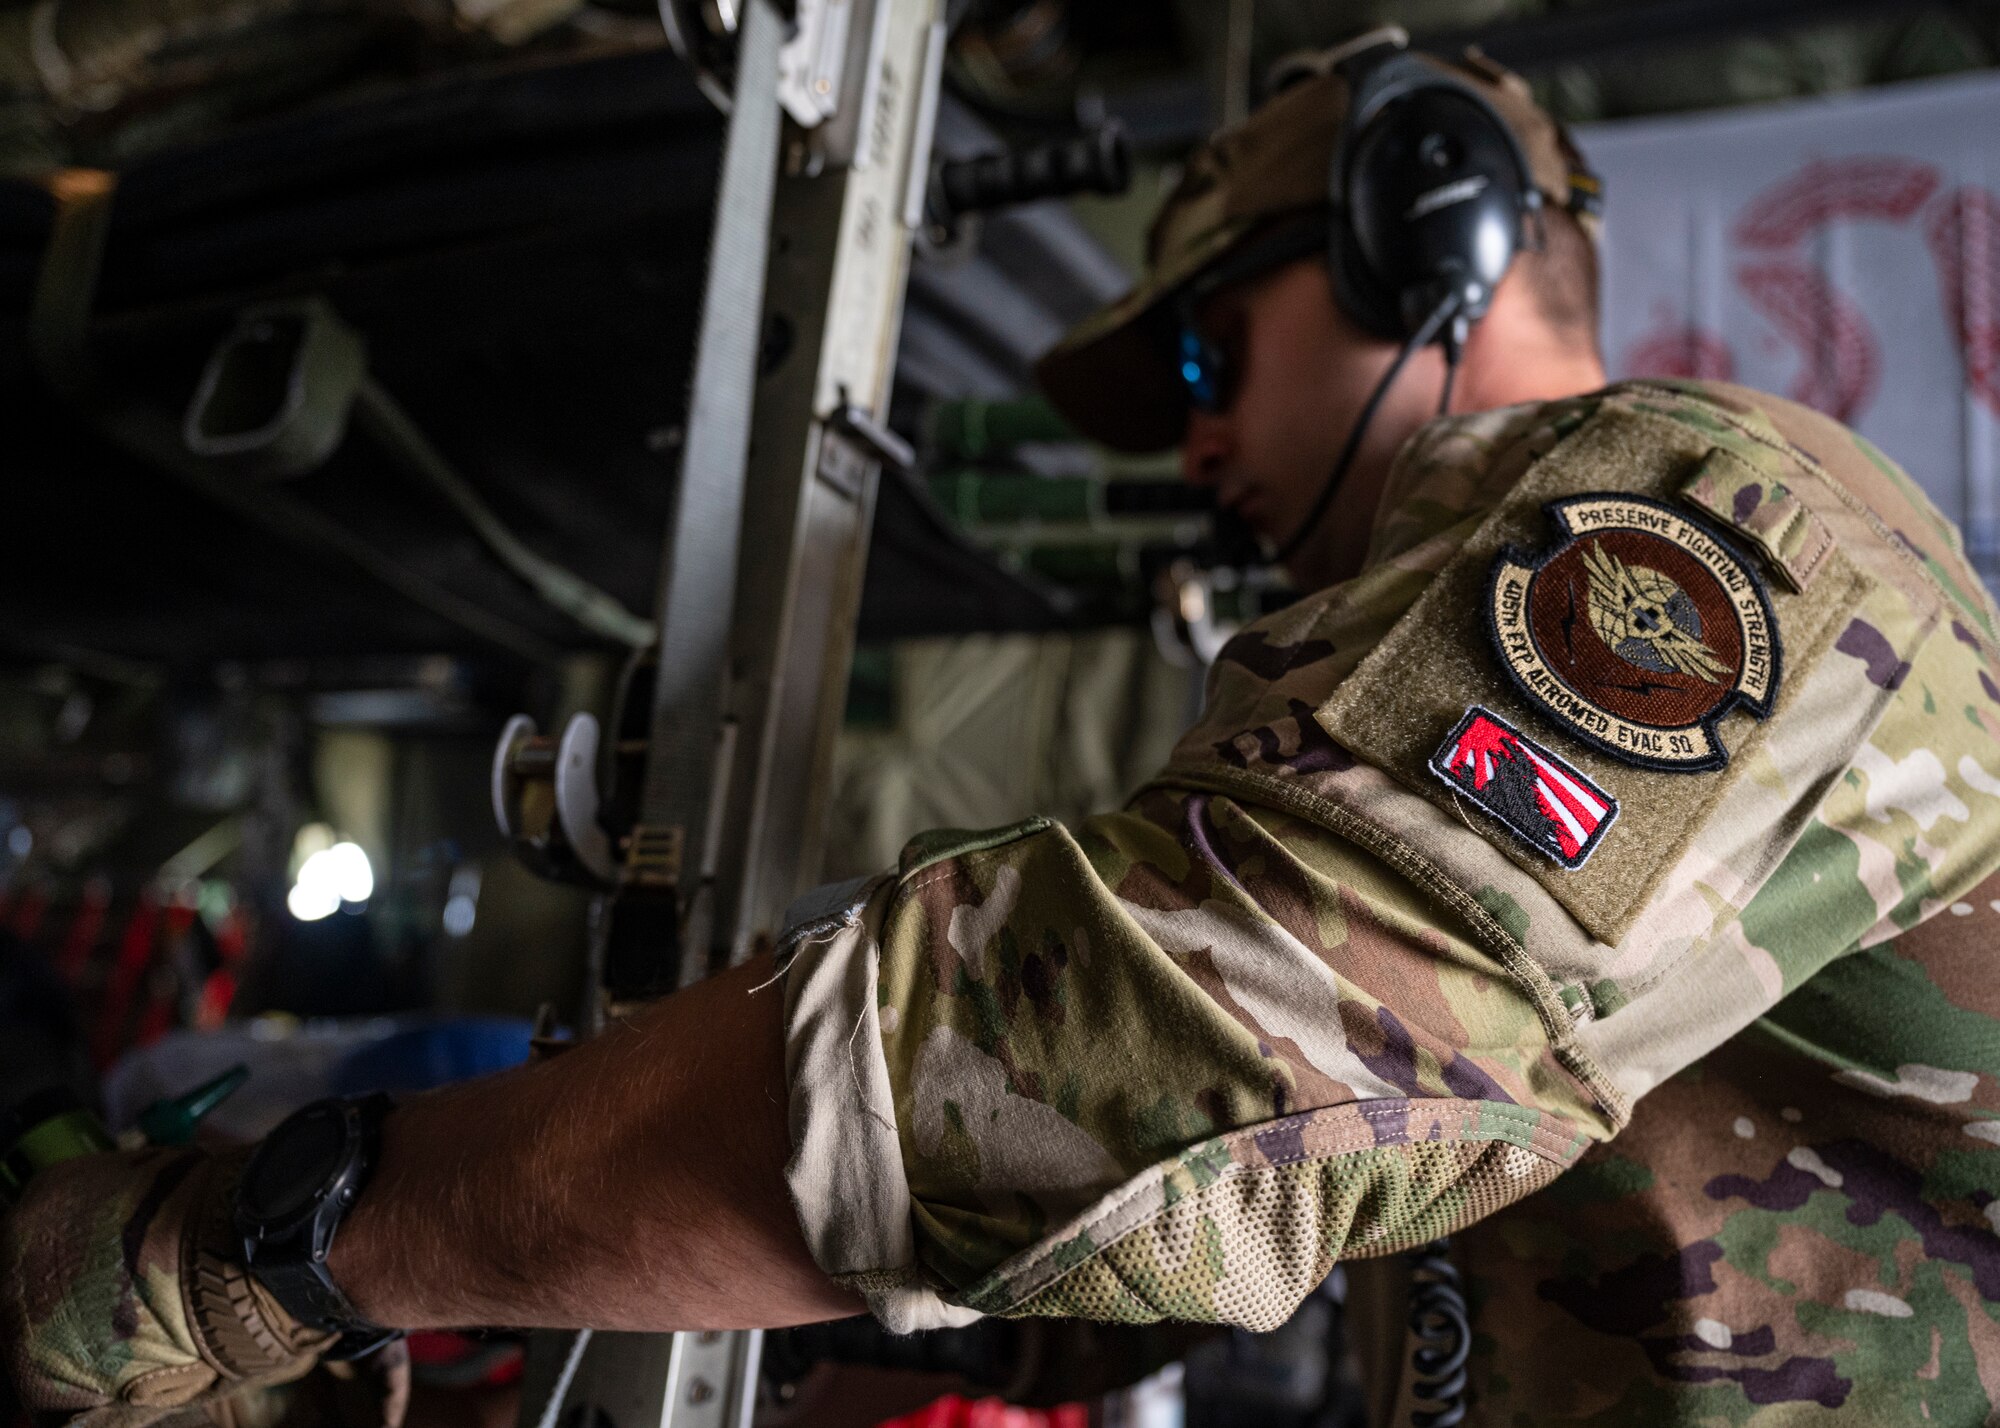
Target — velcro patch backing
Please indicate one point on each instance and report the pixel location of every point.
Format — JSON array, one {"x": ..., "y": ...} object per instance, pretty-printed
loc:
[{"x": 1440, "y": 659}]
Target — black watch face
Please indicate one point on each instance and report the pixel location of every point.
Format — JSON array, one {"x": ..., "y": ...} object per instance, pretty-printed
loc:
[{"x": 291, "y": 1167}]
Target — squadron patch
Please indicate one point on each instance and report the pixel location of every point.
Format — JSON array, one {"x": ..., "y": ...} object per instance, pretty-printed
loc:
[
  {"x": 1637, "y": 632},
  {"x": 1541, "y": 799}
]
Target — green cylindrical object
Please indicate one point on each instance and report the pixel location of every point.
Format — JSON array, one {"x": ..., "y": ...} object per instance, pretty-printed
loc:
[
  {"x": 974, "y": 497},
  {"x": 1078, "y": 564},
  {"x": 48, "y": 1127},
  {"x": 972, "y": 430}
]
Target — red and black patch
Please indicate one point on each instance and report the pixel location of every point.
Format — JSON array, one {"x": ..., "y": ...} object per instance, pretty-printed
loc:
[
  {"x": 1541, "y": 799},
  {"x": 1637, "y": 632}
]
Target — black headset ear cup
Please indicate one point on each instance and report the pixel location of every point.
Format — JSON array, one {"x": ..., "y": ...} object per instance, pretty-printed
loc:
[
  {"x": 1362, "y": 294},
  {"x": 1429, "y": 190}
]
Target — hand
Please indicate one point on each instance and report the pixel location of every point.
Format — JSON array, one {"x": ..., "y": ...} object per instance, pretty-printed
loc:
[{"x": 123, "y": 1296}]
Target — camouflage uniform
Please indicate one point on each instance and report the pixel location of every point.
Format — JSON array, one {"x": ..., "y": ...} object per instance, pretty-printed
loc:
[{"x": 1302, "y": 1003}]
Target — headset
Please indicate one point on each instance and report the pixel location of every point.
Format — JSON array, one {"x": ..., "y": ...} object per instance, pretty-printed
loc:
[
  {"x": 1430, "y": 198},
  {"x": 1430, "y": 194}
]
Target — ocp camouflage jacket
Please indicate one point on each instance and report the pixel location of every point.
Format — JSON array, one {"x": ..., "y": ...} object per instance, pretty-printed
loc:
[{"x": 1656, "y": 715}]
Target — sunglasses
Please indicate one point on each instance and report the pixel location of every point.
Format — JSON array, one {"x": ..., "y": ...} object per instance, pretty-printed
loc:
[{"x": 1205, "y": 369}]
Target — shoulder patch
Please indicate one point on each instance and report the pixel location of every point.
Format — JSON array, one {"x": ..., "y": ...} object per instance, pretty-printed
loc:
[
  {"x": 1538, "y": 797},
  {"x": 1637, "y": 632}
]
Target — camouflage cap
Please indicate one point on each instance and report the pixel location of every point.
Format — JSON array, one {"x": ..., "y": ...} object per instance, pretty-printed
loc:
[{"x": 1113, "y": 376}]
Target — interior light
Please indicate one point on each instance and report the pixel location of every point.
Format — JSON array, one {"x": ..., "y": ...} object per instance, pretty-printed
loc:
[
  {"x": 461, "y": 906},
  {"x": 310, "y": 902},
  {"x": 348, "y": 867},
  {"x": 328, "y": 878}
]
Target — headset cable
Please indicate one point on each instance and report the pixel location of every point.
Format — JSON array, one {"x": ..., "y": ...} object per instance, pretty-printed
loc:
[{"x": 1425, "y": 334}]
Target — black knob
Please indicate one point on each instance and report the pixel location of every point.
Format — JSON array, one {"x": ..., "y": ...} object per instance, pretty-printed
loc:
[{"x": 1097, "y": 162}]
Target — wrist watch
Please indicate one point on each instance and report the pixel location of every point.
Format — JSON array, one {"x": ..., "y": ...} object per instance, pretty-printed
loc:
[{"x": 298, "y": 1186}]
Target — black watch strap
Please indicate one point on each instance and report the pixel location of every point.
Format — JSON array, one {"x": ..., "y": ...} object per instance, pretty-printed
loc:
[
  {"x": 307, "y": 1292},
  {"x": 288, "y": 1254}
]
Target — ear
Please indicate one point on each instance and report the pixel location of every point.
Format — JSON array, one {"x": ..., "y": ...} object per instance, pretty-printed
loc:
[{"x": 1514, "y": 316}]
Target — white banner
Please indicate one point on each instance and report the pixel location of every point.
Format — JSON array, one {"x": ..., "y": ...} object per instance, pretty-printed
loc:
[{"x": 1844, "y": 252}]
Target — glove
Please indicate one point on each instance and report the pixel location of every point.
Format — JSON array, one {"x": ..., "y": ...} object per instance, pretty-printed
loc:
[
  {"x": 371, "y": 1392},
  {"x": 124, "y": 1300}
]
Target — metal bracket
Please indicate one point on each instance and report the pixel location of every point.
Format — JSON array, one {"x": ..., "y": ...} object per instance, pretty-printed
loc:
[
  {"x": 811, "y": 62},
  {"x": 687, "y": 1380},
  {"x": 882, "y": 444},
  {"x": 712, "y": 1379},
  {"x": 853, "y": 441},
  {"x": 653, "y": 859}
]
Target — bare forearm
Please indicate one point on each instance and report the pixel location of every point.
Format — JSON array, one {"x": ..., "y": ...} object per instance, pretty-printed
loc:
[{"x": 633, "y": 1183}]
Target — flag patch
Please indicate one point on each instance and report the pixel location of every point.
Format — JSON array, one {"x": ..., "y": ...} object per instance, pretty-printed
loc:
[{"x": 1541, "y": 799}]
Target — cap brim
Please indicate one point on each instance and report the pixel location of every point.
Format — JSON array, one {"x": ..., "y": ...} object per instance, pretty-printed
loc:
[{"x": 1113, "y": 377}]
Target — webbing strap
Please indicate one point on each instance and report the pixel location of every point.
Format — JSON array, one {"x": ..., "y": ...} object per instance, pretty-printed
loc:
[{"x": 698, "y": 567}]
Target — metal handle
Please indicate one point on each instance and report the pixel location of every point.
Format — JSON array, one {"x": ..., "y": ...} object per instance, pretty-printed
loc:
[{"x": 1097, "y": 162}]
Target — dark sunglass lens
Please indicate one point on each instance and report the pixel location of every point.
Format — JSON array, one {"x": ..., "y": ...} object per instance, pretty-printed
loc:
[{"x": 1200, "y": 370}]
